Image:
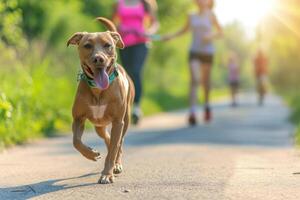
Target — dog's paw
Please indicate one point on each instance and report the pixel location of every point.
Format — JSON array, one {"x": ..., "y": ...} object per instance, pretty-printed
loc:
[
  {"x": 92, "y": 154},
  {"x": 106, "y": 179},
  {"x": 118, "y": 168}
]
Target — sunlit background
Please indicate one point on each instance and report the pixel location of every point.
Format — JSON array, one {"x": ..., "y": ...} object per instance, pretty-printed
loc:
[{"x": 250, "y": 13}]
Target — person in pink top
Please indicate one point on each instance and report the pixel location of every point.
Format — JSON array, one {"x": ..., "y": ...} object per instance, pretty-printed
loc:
[{"x": 131, "y": 17}]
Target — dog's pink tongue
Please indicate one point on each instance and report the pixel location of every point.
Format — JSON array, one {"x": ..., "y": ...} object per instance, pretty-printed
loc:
[{"x": 101, "y": 79}]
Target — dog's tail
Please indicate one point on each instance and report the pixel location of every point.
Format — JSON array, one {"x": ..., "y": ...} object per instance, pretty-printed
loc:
[{"x": 107, "y": 23}]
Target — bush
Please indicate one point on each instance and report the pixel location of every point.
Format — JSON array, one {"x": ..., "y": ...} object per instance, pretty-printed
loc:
[{"x": 39, "y": 104}]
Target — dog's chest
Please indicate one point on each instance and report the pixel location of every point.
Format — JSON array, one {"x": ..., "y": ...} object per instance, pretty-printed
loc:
[
  {"x": 97, "y": 114},
  {"x": 124, "y": 81}
]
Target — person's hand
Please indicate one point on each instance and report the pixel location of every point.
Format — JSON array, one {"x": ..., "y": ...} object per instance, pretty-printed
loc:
[
  {"x": 208, "y": 38},
  {"x": 165, "y": 38},
  {"x": 154, "y": 37}
]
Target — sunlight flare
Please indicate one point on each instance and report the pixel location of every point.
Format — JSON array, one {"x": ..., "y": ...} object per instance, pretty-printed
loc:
[{"x": 249, "y": 12}]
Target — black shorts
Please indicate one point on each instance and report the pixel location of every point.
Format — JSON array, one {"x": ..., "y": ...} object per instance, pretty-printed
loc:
[
  {"x": 234, "y": 83},
  {"x": 202, "y": 57}
]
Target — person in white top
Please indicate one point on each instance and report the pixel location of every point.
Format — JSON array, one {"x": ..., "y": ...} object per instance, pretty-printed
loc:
[{"x": 205, "y": 29}]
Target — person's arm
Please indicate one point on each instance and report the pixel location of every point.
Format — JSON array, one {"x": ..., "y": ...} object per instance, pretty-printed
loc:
[
  {"x": 153, "y": 20},
  {"x": 238, "y": 66},
  {"x": 154, "y": 25},
  {"x": 255, "y": 65},
  {"x": 180, "y": 32},
  {"x": 218, "y": 33},
  {"x": 266, "y": 66}
]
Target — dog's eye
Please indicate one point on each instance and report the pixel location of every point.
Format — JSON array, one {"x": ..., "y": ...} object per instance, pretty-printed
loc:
[
  {"x": 88, "y": 46},
  {"x": 107, "y": 45}
]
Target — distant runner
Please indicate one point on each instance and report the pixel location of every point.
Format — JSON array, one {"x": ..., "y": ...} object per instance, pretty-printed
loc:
[
  {"x": 261, "y": 74},
  {"x": 205, "y": 29},
  {"x": 233, "y": 77}
]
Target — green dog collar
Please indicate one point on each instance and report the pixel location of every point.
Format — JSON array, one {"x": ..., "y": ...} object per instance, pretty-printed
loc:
[{"x": 91, "y": 83}]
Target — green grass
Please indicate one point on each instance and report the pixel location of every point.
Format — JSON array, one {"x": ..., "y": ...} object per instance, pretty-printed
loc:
[
  {"x": 294, "y": 102},
  {"x": 297, "y": 136},
  {"x": 34, "y": 103}
]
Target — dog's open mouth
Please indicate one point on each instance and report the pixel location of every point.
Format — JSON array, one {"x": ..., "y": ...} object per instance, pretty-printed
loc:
[
  {"x": 101, "y": 78},
  {"x": 89, "y": 71}
]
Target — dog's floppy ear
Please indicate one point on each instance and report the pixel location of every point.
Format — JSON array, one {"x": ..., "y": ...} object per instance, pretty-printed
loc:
[
  {"x": 117, "y": 39},
  {"x": 75, "y": 39}
]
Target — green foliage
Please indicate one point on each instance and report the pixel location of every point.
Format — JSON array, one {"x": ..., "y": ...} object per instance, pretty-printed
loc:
[
  {"x": 34, "y": 15},
  {"x": 31, "y": 100},
  {"x": 98, "y": 8},
  {"x": 10, "y": 19},
  {"x": 283, "y": 37},
  {"x": 40, "y": 107},
  {"x": 294, "y": 100},
  {"x": 5, "y": 108}
]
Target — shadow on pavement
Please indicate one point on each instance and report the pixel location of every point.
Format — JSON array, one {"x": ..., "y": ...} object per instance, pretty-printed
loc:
[
  {"x": 41, "y": 188},
  {"x": 238, "y": 136}
]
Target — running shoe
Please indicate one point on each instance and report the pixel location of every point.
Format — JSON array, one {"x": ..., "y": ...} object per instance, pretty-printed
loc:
[
  {"x": 192, "y": 120},
  {"x": 136, "y": 115},
  {"x": 135, "y": 119},
  {"x": 207, "y": 114}
]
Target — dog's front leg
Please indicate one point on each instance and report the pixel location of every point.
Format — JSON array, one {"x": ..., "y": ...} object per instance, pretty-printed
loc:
[
  {"x": 116, "y": 134},
  {"x": 78, "y": 128}
]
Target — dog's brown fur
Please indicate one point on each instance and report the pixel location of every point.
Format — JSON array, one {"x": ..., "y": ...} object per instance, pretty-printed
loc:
[{"x": 102, "y": 107}]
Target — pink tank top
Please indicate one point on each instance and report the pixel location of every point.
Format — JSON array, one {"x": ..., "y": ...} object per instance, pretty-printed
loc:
[
  {"x": 131, "y": 23},
  {"x": 233, "y": 72}
]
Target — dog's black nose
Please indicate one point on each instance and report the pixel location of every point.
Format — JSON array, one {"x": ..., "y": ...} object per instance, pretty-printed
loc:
[{"x": 98, "y": 59}]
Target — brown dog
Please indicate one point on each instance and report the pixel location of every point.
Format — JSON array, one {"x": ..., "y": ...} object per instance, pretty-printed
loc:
[{"x": 104, "y": 95}]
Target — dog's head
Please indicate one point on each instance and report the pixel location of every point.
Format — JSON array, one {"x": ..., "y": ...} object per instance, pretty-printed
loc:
[{"x": 97, "y": 51}]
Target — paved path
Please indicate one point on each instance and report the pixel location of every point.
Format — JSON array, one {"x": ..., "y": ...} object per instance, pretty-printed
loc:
[{"x": 246, "y": 153}]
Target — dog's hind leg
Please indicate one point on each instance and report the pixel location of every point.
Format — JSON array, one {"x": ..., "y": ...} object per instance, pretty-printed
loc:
[
  {"x": 78, "y": 128},
  {"x": 103, "y": 133}
]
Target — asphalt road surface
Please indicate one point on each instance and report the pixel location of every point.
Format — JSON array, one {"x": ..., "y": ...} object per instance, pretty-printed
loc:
[{"x": 245, "y": 153}]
